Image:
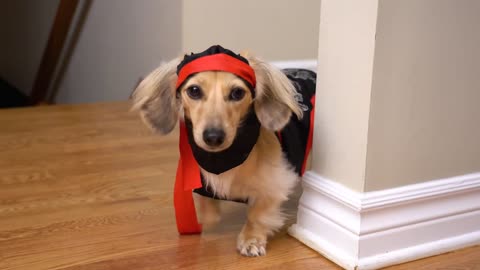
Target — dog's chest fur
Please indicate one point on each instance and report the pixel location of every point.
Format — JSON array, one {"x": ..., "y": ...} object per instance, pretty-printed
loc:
[
  {"x": 266, "y": 172},
  {"x": 276, "y": 160}
]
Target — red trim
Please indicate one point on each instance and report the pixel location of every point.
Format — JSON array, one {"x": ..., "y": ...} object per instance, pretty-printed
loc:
[
  {"x": 310, "y": 136},
  {"x": 219, "y": 62},
  {"x": 188, "y": 178}
]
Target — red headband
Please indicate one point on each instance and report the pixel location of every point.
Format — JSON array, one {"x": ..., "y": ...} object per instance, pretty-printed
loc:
[{"x": 217, "y": 62}]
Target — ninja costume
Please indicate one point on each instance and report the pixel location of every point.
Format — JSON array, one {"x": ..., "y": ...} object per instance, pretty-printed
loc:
[{"x": 295, "y": 138}]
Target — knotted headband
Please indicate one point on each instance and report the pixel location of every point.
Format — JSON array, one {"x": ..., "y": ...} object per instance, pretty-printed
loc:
[{"x": 216, "y": 58}]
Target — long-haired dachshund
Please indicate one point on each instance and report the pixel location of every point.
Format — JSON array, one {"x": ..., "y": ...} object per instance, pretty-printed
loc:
[{"x": 248, "y": 125}]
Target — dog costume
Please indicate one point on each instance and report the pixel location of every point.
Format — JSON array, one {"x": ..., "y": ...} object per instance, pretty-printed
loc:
[{"x": 295, "y": 138}]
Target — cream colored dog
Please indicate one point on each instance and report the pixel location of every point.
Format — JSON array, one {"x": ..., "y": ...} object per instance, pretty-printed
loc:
[{"x": 221, "y": 99}]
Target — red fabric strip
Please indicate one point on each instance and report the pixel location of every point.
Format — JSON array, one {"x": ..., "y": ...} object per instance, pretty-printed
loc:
[
  {"x": 187, "y": 179},
  {"x": 217, "y": 62},
  {"x": 310, "y": 135}
]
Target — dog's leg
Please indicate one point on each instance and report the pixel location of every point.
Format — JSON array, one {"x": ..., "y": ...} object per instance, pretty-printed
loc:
[
  {"x": 208, "y": 211},
  {"x": 264, "y": 217}
]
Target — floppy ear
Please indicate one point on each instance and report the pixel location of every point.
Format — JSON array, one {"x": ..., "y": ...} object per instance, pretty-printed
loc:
[
  {"x": 275, "y": 95},
  {"x": 155, "y": 98}
]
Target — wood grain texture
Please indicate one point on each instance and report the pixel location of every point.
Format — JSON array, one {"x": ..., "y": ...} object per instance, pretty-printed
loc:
[{"x": 89, "y": 187}]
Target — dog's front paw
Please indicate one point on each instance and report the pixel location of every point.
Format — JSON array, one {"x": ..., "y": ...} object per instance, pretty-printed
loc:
[{"x": 252, "y": 247}]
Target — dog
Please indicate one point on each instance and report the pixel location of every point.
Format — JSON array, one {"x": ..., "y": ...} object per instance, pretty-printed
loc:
[{"x": 237, "y": 120}]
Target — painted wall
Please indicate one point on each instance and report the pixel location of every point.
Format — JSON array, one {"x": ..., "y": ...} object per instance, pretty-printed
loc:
[
  {"x": 121, "y": 41},
  {"x": 398, "y": 93},
  {"x": 425, "y": 106},
  {"x": 272, "y": 29},
  {"x": 24, "y": 29},
  {"x": 345, "y": 66}
]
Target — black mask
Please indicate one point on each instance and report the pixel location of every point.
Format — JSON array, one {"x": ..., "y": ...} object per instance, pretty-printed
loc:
[{"x": 236, "y": 154}]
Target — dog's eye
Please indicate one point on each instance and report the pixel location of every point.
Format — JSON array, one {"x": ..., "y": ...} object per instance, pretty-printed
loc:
[
  {"x": 194, "y": 92},
  {"x": 237, "y": 94}
]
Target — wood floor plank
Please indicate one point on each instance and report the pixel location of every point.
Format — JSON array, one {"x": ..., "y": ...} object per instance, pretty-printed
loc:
[{"x": 87, "y": 187}]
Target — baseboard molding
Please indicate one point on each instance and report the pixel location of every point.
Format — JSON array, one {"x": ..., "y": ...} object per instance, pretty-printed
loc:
[
  {"x": 310, "y": 64},
  {"x": 376, "y": 229}
]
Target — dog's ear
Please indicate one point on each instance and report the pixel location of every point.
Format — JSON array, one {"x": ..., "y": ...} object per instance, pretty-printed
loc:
[
  {"x": 275, "y": 95},
  {"x": 155, "y": 98}
]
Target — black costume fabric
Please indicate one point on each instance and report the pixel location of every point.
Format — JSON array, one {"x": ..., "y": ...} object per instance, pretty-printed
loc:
[
  {"x": 293, "y": 137},
  {"x": 236, "y": 154}
]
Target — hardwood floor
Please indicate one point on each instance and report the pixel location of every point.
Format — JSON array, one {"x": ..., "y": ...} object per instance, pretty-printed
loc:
[{"x": 88, "y": 187}]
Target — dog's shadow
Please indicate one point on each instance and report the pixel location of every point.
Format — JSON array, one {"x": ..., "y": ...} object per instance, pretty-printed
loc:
[{"x": 234, "y": 215}]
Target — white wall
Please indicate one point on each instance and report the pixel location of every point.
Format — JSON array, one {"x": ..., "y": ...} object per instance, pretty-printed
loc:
[
  {"x": 121, "y": 41},
  {"x": 271, "y": 29},
  {"x": 24, "y": 29}
]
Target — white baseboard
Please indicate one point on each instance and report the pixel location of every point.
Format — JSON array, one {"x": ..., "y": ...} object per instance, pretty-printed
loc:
[
  {"x": 310, "y": 64},
  {"x": 376, "y": 229}
]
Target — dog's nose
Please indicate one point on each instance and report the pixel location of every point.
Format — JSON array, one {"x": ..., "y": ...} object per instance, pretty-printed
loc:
[{"x": 213, "y": 136}]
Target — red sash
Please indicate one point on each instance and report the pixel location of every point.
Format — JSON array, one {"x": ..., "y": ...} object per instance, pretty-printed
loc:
[{"x": 188, "y": 179}]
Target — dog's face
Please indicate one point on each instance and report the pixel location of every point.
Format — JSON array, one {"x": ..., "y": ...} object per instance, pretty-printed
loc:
[{"x": 215, "y": 102}]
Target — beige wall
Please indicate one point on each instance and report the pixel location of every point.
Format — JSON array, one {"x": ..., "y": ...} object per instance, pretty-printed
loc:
[
  {"x": 425, "y": 108},
  {"x": 121, "y": 41},
  {"x": 272, "y": 29},
  {"x": 416, "y": 116},
  {"x": 345, "y": 64},
  {"x": 24, "y": 29}
]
